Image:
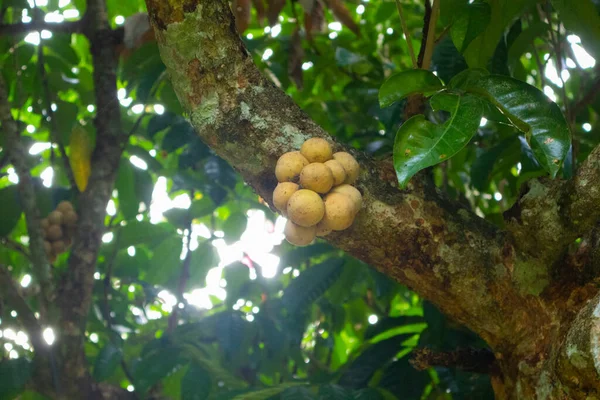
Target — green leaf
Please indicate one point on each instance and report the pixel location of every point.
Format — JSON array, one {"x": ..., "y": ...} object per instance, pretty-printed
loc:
[
  {"x": 530, "y": 111},
  {"x": 107, "y": 362},
  {"x": 334, "y": 392},
  {"x": 11, "y": 209},
  {"x": 204, "y": 258},
  {"x": 165, "y": 262},
  {"x": 581, "y": 17},
  {"x": 469, "y": 24},
  {"x": 234, "y": 226},
  {"x": 298, "y": 393},
  {"x": 196, "y": 383},
  {"x": 202, "y": 207},
  {"x": 265, "y": 394},
  {"x": 217, "y": 373},
  {"x": 125, "y": 185},
  {"x": 154, "y": 366},
  {"x": 420, "y": 144},
  {"x": 482, "y": 168},
  {"x": 524, "y": 41},
  {"x": 407, "y": 83},
  {"x": 503, "y": 12},
  {"x": 412, "y": 384},
  {"x": 136, "y": 233},
  {"x": 14, "y": 374},
  {"x": 359, "y": 372},
  {"x": 311, "y": 284}
]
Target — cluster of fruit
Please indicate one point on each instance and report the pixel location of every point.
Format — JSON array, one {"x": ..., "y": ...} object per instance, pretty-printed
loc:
[
  {"x": 59, "y": 228},
  {"x": 315, "y": 191}
]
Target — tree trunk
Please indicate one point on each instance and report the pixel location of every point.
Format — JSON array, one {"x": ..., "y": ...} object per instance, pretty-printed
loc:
[{"x": 535, "y": 306}]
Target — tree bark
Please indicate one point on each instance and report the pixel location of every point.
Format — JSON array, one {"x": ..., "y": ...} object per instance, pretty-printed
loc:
[{"x": 515, "y": 288}]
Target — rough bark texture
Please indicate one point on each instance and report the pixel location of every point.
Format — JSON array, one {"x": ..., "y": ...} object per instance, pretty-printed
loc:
[{"x": 514, "y": 287}]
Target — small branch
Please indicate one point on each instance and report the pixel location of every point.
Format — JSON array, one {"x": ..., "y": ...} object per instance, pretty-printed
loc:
[
  {"x": 411, "y": 50},
  {"x": 63, "y": 27},
  {"x": 15, "y": 246},
  {"x": 10, "y": 294},
  {"x": 19, "y": 156},
  {"x": 425, "y": 33},
  {"x": 481, "y": 361},
  {"x": 430, "y": 43}
]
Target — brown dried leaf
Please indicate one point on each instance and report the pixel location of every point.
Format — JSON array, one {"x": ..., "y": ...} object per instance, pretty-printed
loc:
[
  {"x": 343, "y": 15},
  {"x": 315, "y": 21},
  {"x": 241, "y": 10},
  {"x": 261, "y": 10},
  {"x": 295, "y": 60},
  {"x": 275, "y": 8}
]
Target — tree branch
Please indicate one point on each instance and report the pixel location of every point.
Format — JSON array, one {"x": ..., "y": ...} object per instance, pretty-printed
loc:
[
  {"x": 481, "y": 361},
  {"x": 19, "y": 156},
  {"x": 63, "y": 27},
  {"x": 438, "y": 248},
  {"x": 76, "y": 291}
]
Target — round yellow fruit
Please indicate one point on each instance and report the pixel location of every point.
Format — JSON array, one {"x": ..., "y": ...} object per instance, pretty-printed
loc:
[
  {"x": 316, "y": 177},
  {"x": 339, "y": 212},
  {"x": 70, "y": 218},
  {"x": 55, "y": 218},
  {"x": 316, "y": 150},
  {"x": 54, "y": 232},
  {"x": 64, "y": 206},
  {"x": 289, "y": 166},
  {"x": 282, "y": 194},
  {"x": 299, "y": 235},
  {"x": 337, "y": 170},
  {"x": 305, "y": 208},
  {"x": 350, "y": 165},
  {"x": 351, "y": 192},
  {"x": 44, "y": 223},
  {"x": 59, "y": 247}
]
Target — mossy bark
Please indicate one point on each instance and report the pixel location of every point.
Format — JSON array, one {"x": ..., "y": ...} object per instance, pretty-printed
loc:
[{"x": 508, "y": 286}]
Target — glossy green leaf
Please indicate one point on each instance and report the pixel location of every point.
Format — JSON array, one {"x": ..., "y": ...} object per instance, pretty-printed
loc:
[
  {"x": 503, "y": 12},
  {"x": 529, "y": 109},
  {"x": 298, "y": 393},
  {"x": 125, "y": 185},
  {"x": 143, "y": 232},
  {"x": 483, "y": 167},
  {"x": 11, "y": 209},
  {"x": 165, "y": 262},
  {"x": 196, "y": 383},
  {"x": 407, "y": 83},
  {"x": 581, "y": 17},
  {"x": 525, "y": 41},
  {"x": 469, "y": 24},
  {"x": 107, "y": 362},
  {"x": 334, "y": 392},
  {"x": 154, "y": 366},
  {"x": 311, "y": 284},
  {"x": 420, "y": 144},
  {"x": 234, "y": 226}
]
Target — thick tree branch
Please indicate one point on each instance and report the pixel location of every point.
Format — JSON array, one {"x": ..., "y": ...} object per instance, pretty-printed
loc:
[
  {"x": 481, "y": 361},
  {"x": 19, "y": 156},
  {"x": 416, "y": 236},
  {"x": 552, "y": 214},
  {"x": 76, "y": 291},
  {"x": 63, "y": 27}
]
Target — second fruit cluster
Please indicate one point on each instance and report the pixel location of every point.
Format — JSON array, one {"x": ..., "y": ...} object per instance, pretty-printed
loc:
[{"x": 306, "y": 175}]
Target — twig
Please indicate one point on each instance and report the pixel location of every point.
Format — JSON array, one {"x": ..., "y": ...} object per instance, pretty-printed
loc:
[
  {"x": 19, "y": 156},
  {"x": 425, "y": 33},
  {"x": 481, "y": 361},
  {"x": 430, "y": 44},
  {"x": 411, "y": 50},
  {"x": 54, "y": 135},
  {"x": 63, "y": 27},
  {"x": 15, "y": 246}
]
